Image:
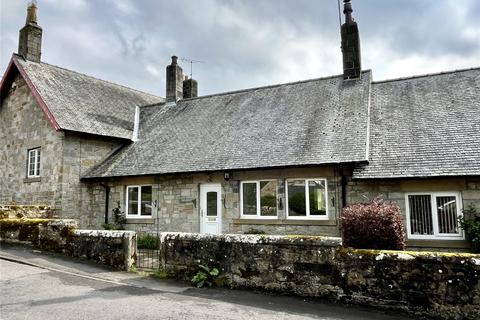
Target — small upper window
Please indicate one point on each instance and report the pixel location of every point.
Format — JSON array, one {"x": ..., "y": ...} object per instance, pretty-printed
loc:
[
  {"x": 433, "y": 215},
  {"x": 258, "y": 199},
  {"x": 139, "y": 201},
  {"x": 33, "y": 164},
  {"x": 307, "y": 198}
]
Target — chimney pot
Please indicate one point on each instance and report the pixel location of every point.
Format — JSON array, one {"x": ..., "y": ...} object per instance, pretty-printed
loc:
[{"x": 31, "y": 13}]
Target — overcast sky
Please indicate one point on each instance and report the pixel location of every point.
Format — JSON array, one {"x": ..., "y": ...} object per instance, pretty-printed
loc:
[{"x": 245, "y": 43}]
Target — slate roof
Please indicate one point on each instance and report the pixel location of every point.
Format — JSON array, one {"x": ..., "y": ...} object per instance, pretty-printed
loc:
[
  {"x": 320, "y": 121},
  {"x": 85, "y": 104},
  {"x": 425, "y": 126}
]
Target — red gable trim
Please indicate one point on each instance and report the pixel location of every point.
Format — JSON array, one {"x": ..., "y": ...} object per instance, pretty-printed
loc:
[
  {"x": 36, "y": 95},
  {"x": 6, "y": 80}
]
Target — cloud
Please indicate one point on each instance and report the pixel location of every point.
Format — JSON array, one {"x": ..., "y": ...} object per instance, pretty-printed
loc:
[{"x": 245, "y": 43}]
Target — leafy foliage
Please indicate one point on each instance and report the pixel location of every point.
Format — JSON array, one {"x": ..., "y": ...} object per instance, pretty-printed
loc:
[
  {"x": 470, "y": 223},
  {"x": 205, "y": 276},
  {"x": 373, "y": 225},
  {"x": 148, "y": 241},
  {"x": 119, "y": 220}
]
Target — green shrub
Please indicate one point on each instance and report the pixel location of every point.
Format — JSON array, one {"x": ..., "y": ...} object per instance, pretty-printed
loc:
[
  {"x": 148, "y": 241},
  {"x": 373, "y": 225},
  {"x": 205, "y": 276},
  {"x": 470, "y": 223},
  {"x": 119, "y": 220}
]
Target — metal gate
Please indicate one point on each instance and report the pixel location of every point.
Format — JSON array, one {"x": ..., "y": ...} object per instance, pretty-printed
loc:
[{"x": 148, "y": 251}]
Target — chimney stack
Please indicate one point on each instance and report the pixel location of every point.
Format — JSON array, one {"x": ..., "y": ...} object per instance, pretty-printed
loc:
[
  {"x": 190, "y": 88},
  {"x": 174, "y": 81},
  {"x": 352, "y": 63},
  {"x": 30, "y": 38}
]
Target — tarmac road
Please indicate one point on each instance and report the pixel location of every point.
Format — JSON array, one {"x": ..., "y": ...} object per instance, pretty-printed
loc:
[{"x": 56, "y": 288}]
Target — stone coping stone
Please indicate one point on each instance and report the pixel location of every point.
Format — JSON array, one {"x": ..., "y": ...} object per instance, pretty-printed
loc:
[
  {"x": 318, "y": 241},
  {"x": 49, "y": 222},
  {"x": 105, "y": 233},
  {"x": 63, "y": 222},
  {"x": 408, "y": 254}
]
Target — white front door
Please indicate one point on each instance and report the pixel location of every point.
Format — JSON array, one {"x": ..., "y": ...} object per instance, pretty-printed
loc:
[{"x": 211, "y": 208}]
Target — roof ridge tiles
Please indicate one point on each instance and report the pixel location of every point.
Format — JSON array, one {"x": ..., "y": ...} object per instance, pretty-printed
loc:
[
  {"x": 426, "y": 75},
  {"x": 269, "y": 86}
]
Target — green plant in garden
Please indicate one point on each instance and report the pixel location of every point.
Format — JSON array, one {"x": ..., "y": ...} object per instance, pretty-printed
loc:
[
  {"x": 160, "y": 274},
  {"x": 148, "y": 241},
  {"x": 205, "y": 276},
  {"x": 470, "y": 223},
  {"x": 119, "y": 220}
]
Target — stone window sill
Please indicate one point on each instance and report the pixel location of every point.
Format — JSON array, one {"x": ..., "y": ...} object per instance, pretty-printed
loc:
[
  {"x": 30, "y": 180},
  {"x": 286, "y": 222},
  {"x": 447, "y": 244},
  {"x": 141, "y": 221}
]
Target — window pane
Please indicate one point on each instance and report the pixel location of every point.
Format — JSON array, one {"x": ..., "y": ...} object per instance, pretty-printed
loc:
[
  {"x": 420, "y": 214},
  {"x": 316, "y": 192},
  {"x": 146, "y": 205},
  {"x": 38, "y": 163},
  {"x": 268, "y": 198},
  {"x": 296, "y": 198},
  {"x": 447, "y": 215},
  {"x": 212, "y": 204},
  {"x": 249, "y": 198},
  {"x": 132, "y": 200}
]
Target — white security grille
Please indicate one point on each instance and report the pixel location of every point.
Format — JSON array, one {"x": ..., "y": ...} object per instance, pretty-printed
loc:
[
  {"x": 420, "y": 214},
  {"x": 447, "y": 215}
]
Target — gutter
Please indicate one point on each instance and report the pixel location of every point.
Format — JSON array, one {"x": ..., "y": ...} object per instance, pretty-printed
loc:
[
  {"x": 343, "y": 182},
  {"x": 107, "y": 196}
]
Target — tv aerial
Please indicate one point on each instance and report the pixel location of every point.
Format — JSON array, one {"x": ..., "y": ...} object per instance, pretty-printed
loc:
[{"x": 191, "y": 61}]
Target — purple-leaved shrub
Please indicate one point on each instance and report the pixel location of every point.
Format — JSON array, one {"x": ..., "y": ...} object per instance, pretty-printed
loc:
[{"x": 373, "y": 225}]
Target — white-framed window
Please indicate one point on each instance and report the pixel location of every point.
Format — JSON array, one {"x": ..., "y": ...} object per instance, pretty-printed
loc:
[
  {"x": 33, "y": 163},
  {"x": 306, "y": 199},
  {"x": 433, "y": 215},
  {"x": 139, "y": 202},
  {"x": 258, "y": 199}
]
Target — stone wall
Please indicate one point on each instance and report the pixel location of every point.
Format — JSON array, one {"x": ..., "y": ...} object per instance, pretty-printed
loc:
[
  {"x": 50, "y": 234},
  {"x": 436, "y": 285},
  {"x": 23, "y": 126},
  {"x": 177, "y": 202},
  {"x": 113, "y": 248},
  {"x": 116, "y": 249},
  {"x": 395, "y": 190},
  {"x": 25, "y": 211},
  {"x": 84, "y": 202}
]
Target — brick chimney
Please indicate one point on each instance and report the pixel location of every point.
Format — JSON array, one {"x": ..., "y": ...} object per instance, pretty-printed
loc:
[
  {"x": 352, "y": 63},
  {"x": 30, "y": 38},
  {"x": 174, "y": 81},
  {"x": 190, "y": 88}
]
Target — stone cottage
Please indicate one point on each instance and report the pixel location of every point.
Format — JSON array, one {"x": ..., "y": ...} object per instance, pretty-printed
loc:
[{"x": 284, "y": 159}]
